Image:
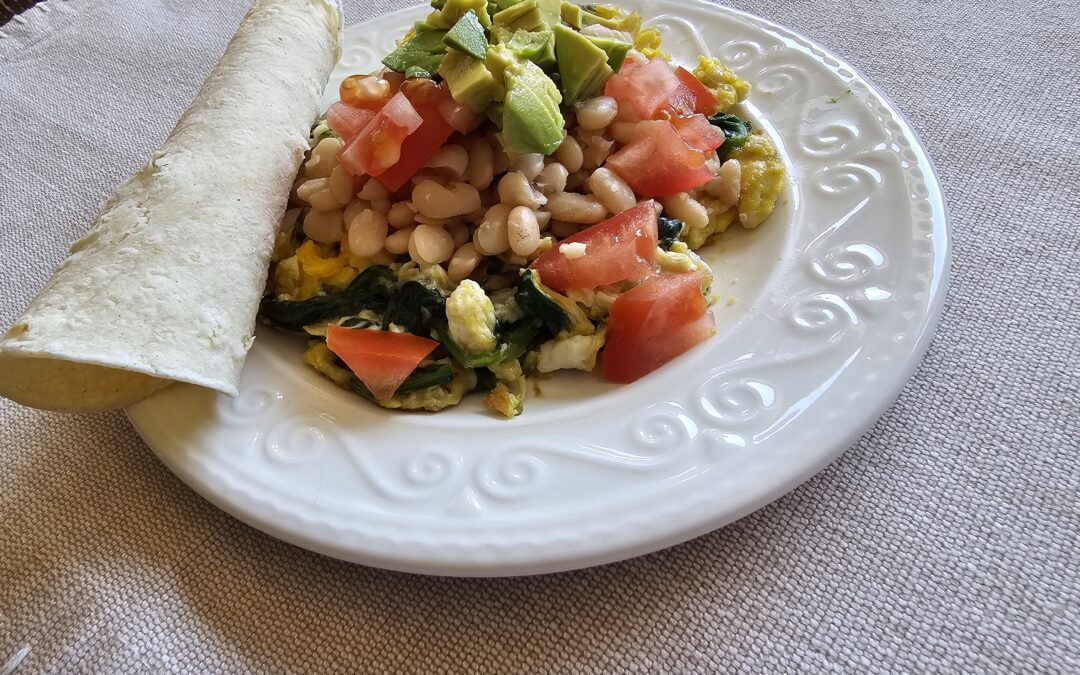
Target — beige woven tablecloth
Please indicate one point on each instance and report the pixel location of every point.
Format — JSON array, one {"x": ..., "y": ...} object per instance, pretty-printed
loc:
[{"x": 945, "y": 540}]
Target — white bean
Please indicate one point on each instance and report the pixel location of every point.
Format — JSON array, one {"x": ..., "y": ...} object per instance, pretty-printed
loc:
[
  {"x": 530, "y": 164},
  {"x": 500, "y": 162},
  {"x": 341, "y": 185},
  {"x": 430, "y": 245},
  {"x": 552, "y": 179},
  {"x": 563, "y": 229},
  {"x": 727, "y": 185},
  {"x": 463, "y": 262},
  {"x": 401, "y": 215},
  {"x": 687, "y": 209},
  {"x": 438, "y": 201},
  {"x": 490, "y": 237},
  {"x": 596, "y": 149},
  {"x": 398, "y": 242},
  {"x": 623, "y": 132},
  {"x": 522, "y": 230},
  {"x": 451, "y": 159},
  {"x": 323, "y": 226},
  {"x": 597, "y": 113},
  {"x": 576, "y": 208},
  {"x": 481, "y": 168},
  {"x": 569, "y": 154},
  {"x": 610, "y": 190},
  {"x": 355, "y": 208},
  {"x": 543, "y": 219},
  {"x": 514, "y": 189},
  {"x": 373, "y": 190},
  {"x": 381, "y": 205},
  {"x": 460, "y": 233},
  {"x": 323, "y": 158},
  {"x": 316, "y": 192},
  {"x": 367, "y": 233}
]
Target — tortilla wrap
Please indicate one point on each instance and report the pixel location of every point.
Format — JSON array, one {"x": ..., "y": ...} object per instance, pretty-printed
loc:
[{"x": 166, "y": 285}]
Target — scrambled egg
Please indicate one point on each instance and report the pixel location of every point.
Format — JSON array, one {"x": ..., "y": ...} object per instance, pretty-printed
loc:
[
  {"x": 508, "y": 396},
  {"x": 681, "y": 259},
  {"x": 577, "y": 352},
  {"x": 762, "y": 179},
  {"x": 506, "y": 306},
  {"x": 471, "y": 318},
  {"x": 725, "y": 85}
]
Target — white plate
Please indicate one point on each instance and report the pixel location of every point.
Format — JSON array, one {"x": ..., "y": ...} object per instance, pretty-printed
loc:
[{"x": 835, "y": 300}]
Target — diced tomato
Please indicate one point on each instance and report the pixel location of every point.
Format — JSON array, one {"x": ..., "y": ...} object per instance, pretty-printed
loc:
[
  {"x": 647, "y": 88},
  {"x": 378, "y": 146},
  {"x": 418, "y": 147},
  {"x": 369, "y": 92},
  {"x": 347, "y": 121},
  {"x": 653, "y": 323},
  {"x": 659, "y": 162},
  {"x": 621, "y": 248},
  {"x": 381, "y": 359},
  {"x": 692, "y": 96},
  {"x": 698, "y": 133}
]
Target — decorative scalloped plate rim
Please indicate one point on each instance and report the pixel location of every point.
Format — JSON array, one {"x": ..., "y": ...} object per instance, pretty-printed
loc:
[{"x": 840, "y": 292}]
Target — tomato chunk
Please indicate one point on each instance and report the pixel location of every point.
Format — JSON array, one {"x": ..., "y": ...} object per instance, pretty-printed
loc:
[
  {"x": 659, "y": 162},
  {"x": 418, "y": 148},
  {"x": 648, "y": 88},
  {"x": 381, "y": 359},
  {"x": 621, "y": 248},
  {"x": 653, "y": 323},
  {"x": 378, "y": 146},
  {"x": 691, "y": 96},
  {"x": 347, "y": 121},
  {"x": 698, "y": 133}
]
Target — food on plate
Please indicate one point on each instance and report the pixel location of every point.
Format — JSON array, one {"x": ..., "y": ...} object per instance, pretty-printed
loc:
[
  {"x": 519, "y": 190},
  {"x": 166, "y": 285}
]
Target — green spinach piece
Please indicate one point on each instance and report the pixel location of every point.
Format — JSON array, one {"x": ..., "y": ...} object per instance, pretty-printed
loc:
[
  {"x": 736, "y": 132},
  {"x": 416, "y": 307},
  {"x": 512, "y": 344},
  {"x": 669, "y": 229},
  {"x": 370, "y": 289}
]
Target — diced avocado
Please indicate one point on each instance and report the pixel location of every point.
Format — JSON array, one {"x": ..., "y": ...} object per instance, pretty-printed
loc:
[
  {"x": 550, "y": 12},
  {"x": 467, "y": 36},
  {"x": 531, "y": 121},
  {"x": 538, "y": 47},
  {"x": 501, "y": 35},
  {"x": 438, "y": 4},
  {"x": 616, "y": 50},
  {"x": 420, "y": 56},
  {"x": 583, "y": 66},
  {"x": 423, "y": 27},
  {"x": 453, "y": 10},
  {"x": 500, "y": 5},
  {"x": 469, "y": 80},
  {"x": 570, "y": 13},
  {"x": 524, "y": 15},
  {"x": 494, "y": 113}
]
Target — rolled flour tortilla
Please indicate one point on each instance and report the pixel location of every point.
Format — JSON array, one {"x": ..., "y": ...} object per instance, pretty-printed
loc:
[{"x": 166, "y": 285}]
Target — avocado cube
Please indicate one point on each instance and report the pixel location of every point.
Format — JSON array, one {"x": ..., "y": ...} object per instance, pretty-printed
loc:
[
  {"x": 583, "y": 66},
  {"x": 570, "y": 14},
  {"x": 467, "y": 36},
  {"x": 524, "y": 15},
  {"x": 453, "y": 10},
  {"x": 615, "y": 49},
  {"x": 550, "y": 11},
  {"x": 531, "y": 118},
  {"x": 538, "y": 47},
  {"x": 469, "y": 80}
]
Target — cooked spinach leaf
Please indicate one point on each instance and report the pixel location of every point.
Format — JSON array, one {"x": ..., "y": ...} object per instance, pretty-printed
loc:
[
  {"x": 669, "y": 229},
  {"x": 511, "y": 345},
  {"x": 370, "y": 289},
  {"x": 416, "y": 307},
  {"x": 736, "y": 132}
]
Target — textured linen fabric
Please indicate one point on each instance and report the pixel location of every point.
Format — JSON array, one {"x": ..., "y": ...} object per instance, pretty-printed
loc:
[{"x": 945, "y": 540}]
